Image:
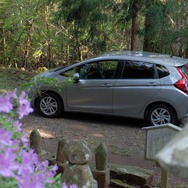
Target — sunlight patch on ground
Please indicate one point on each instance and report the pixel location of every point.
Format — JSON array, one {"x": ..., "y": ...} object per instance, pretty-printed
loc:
[
  {"x": 43, "y": 133},
  {"x": 98, "y": 135}
]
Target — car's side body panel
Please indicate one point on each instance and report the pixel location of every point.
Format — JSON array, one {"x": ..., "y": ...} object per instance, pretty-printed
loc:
[
  {"x": 91, "y": 95},
  {"x": 130, "y": 96}
]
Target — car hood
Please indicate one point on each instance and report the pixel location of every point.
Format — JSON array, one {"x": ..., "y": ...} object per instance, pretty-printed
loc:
[{"x": 44, "y": 74}]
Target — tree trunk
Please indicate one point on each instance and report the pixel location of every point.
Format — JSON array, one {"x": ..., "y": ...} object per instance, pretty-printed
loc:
[
  {"x": 28, "y": 44},
  {"x": 2, "y": 49},
  {"x": 186, "y": 52},
  {"x": 134, "y": 32},
  {"x": 177, "y": 45},
  {"x": 147, "y": 27},
  {"x": 49, "y": 59}
]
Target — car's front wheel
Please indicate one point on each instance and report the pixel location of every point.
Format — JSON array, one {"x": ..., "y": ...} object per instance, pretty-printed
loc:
[
  {"x": 161, "y": 114},
  {"x": 49, "y": 105}
]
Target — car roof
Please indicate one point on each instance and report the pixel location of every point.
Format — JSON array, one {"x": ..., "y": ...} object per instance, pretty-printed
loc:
[{"x": 164, "y": 59}]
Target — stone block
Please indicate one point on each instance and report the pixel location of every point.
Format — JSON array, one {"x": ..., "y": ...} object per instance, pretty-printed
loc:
[{"x": 131, "y": 174}]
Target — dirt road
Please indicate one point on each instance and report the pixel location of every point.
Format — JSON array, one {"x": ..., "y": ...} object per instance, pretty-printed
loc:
[{"x": 124, "y": 138}]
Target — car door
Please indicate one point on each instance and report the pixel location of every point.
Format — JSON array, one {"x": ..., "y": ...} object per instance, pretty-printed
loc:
[
  {"x": 137, "y": 86},
  {"x": 93, "y": 91}
]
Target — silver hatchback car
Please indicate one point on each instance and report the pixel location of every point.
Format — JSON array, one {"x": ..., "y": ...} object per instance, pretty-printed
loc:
[{"x": 131, "y": 84}]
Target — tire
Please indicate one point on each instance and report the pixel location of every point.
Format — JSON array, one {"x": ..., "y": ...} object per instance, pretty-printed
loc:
[
  {"x": 161, "y": 114},
  {"x": 49, "y": 105}
]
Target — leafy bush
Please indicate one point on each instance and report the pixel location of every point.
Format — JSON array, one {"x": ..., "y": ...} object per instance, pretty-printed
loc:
[{"x": 19, "y": 165}]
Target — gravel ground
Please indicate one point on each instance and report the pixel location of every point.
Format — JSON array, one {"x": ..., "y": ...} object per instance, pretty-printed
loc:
[{"x": 124, "y": 138}]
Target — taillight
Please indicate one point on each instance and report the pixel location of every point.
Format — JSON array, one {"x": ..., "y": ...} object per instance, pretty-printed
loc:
[{"x": 182, "y": 83}]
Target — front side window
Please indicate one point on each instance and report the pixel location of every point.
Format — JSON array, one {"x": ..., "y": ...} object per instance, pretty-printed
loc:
[
  {"x": 98, "y": 70},
  {"x": 138, "y": 70},
  {"x": 94, "y": 70},
  {"x": 68, "y": 73}
]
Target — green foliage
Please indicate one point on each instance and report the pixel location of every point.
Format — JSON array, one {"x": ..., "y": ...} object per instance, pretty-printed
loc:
[
  {"x": 43, "y": 81},
  {"x": 53, "y": 32},
  {"x": 7, "y": 184}
]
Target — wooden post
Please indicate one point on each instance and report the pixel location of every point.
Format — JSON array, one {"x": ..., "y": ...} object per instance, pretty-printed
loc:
[{"x": 164, "y": 178}]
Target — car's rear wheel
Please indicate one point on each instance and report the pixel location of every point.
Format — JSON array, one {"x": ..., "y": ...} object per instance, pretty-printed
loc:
[
  {"x": 161, "y": 114},
  {"x": 49, "y": 105}
]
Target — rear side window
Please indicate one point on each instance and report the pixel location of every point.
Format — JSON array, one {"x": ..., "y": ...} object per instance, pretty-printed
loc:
[
  {"x": 162, "y": 71},
  {"x": 138, "y": 70}
]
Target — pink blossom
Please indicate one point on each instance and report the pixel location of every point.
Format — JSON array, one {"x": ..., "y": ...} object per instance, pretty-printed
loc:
[
  {"x": 18, "y": 125},
  {"x": 26, "y": 169},
  {"x": 32, "y": 172},
  {"x": 5, "y": 137},
  {"x": 24, "y": 106},
  {"x": 73, "y": 186},
  {"x": 30, "y": 180},
  {"x": 7, "y": 163},
  {"x": 48, "y": 174},
  {"x": 29, "y": 160},
  {"x": 24, "y": 139},
  {"x": 6, "y": 105},
  {"x": 15, "y": 146},
  {"x": 14, "y": 94},
  {"x": 64, "y": 185}
]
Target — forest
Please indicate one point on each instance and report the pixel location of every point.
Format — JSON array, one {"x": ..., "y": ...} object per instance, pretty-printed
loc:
[{"x": 50, "y": 33}]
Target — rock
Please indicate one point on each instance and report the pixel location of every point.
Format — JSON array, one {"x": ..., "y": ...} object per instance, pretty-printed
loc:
[
  {"x": 119, "y": 184},
  {"x": 35, "y": 141},
  {"x": 131, "y": 174},
  {"x": 78, "y": 153},
  {"x": 60, "y": 155},
  {"x": 79, "y": 175}
]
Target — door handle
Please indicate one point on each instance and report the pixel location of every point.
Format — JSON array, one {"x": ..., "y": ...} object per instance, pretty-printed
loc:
[
  {"x": 153, "y": 84},
  {"x": 106, "y": 85}
]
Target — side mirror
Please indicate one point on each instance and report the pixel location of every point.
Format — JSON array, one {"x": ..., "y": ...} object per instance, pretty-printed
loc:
[{"x": 76, "y": 77}]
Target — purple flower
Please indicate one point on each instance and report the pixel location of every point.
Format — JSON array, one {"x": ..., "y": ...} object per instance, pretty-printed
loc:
[
  {"x": 30, "y": 180},
  {"x": 5, "y": 138},
  {"x": 14, "y": 94},
  {"x": 26, "y": 169},
  {"x": 29, "y": 160},
  {"x": 50, "y": 174},
  {"x": 18, "y": 125},
  {"x": 73, "y": 186},
  {"x": 24, "y": 139},
  {"x": 6, "y": 105},
  {"x": 7, "y": 163},
  {"x": 54, "y": 169},
  {"x": 64, "y": 185},
  {"x": 15, "y": 146},
  {"x": 24, "y": 107}
]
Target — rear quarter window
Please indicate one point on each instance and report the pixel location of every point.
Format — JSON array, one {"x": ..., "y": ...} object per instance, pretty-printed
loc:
[
  {"x": 162, "y": 71},
  {"x": 185, "y": 69}
]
